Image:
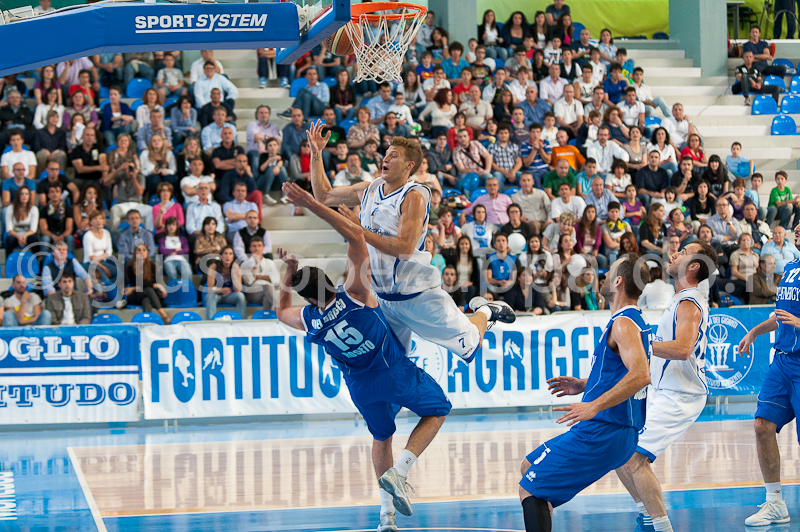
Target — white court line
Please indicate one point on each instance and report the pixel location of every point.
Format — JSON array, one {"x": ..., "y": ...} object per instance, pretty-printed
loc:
[{"x": 98, "y": 520}]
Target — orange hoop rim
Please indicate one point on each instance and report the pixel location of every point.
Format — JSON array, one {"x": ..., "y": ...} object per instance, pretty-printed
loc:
[{"x": 364, "y": 9}]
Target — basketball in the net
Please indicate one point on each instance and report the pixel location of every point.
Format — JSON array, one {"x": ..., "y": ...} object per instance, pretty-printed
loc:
[{"x": 339, "y": 43}]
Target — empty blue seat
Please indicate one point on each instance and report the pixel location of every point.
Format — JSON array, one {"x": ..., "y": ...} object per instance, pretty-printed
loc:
[
  {"x": 147, "y": 317},
  {"x": 346, "y": 125},
  {"x": 329, "y": 81},
  {"x": 222, "y": 314},
  {"x": 170, "y": 102},
  {"x": 106, "y": 319},
  {"x": 104, "y": 92},
  {"x": 790, "y": 104},
  {"x": 136, "y": 87},
  {"x": 181, "y": 293},
  {"x": 511, "y": 191},
  {"x": 499, "y": 63},
  {"x": 136, "y": 104},
  {"x": 180, "y": 317},
  {"x": 577, "y": 28},
  {"x": 265, "y": 315},
  {"x": 477, "y": 193},
  {"x": 764, "y": 105},
  {"x": 784, "y": 125},
  {"x": 22, "y": 263},
  {"x": 112, "y": 147},
  {"x": 794, "y": 85},
  {"x": 782, "y": 61},
  {"x": 775, "y": 81},
  {"x": 297, "y": 84}
]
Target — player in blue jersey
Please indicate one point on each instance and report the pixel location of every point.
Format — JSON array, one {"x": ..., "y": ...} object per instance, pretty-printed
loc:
[
  {"x": 351, "y": 327},
  {"x": 779, "y": 399},
  {"x": 610, "y": 415}
]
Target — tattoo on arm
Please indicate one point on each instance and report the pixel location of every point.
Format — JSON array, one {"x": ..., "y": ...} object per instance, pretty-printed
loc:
[{"x": 317, "y": 157}]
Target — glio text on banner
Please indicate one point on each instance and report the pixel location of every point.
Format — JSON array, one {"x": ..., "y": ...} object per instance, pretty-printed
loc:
[{"x": 81, "y": 374}]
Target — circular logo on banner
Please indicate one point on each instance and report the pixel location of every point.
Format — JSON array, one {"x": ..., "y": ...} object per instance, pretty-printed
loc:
[
  {"x": 725, "y": 366},
  {"x": 429, "y": 357}
]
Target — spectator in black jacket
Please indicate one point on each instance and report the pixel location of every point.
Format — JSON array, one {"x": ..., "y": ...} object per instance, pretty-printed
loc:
[
  {"x": 451, "y": 286},
  {"x": 651, "y": 180},
  {"x": 16, "y": 115},
  {"x": 525, "y": 296},
  {"x": 206, "y": 114}
]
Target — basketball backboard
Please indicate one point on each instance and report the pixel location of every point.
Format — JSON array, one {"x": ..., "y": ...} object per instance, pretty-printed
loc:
[{"x": 318, "y": 19}]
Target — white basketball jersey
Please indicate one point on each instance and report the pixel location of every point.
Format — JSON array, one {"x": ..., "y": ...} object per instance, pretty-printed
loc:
[
  {"x": 685, "y": 376},
  {"x": 381, "y": 215}
]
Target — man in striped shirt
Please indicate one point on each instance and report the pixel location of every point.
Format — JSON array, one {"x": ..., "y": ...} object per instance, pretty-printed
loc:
[{"x": 506, "y": 162}]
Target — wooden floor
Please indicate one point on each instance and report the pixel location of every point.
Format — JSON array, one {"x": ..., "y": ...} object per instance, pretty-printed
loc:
[{"x": 308, "y": 473}]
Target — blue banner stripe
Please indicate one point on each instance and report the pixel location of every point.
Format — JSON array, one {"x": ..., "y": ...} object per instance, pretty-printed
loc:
[{"x": 70, "y": 373}]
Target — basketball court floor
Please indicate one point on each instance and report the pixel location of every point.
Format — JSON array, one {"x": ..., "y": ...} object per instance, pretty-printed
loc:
[{"x": 317, "y": 476}]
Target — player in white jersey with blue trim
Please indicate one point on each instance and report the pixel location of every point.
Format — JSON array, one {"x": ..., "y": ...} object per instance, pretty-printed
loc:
[
  {"x": 779, "y": 398},
  {"x": 678, "y": 381},
  {"x": 395, "y": 213}
]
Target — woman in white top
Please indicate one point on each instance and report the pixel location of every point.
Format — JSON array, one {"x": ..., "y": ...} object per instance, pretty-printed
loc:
[
  {"x": 661, "y": 143},
  {"x": 607, "y": 49},
  {"x": 158, "y": 165},
  {"x": 150, "y": 103},
  {"x": 22, "y": 221},
  {"x": 657, "y": 292},
  {"x": 426, "y": 178},
  {"x": 411, "y": 89},
  {"x": 98, "y": 248},
  {"x": 50, "y": 104},
  {"x": 441, "y": 110}
]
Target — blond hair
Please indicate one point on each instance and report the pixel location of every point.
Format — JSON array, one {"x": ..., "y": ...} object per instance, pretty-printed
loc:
[{"x": 412, "y": 151}]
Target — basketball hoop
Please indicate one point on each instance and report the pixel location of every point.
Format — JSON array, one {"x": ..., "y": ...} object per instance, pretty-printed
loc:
[{"x": 380, "y": 48}]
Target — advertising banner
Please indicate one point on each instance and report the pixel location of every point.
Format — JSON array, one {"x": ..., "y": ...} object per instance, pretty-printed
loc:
[{"x": 83, "y": 374}]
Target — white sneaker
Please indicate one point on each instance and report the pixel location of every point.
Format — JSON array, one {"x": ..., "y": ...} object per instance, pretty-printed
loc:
[
  {"x": 388, "y": 522},
  {"x": 268, "y": 200},
  {"x": 770, "y": 513},
  {"x": 121, "y": 304},
  {"x": 395, "y": 485}
]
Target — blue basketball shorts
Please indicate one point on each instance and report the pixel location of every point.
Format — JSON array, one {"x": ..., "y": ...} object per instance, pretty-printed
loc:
[
  {"x": 379, "y": 395},
  {"x": 779, "y": 398},
  {"x": 573, "y": 461}
]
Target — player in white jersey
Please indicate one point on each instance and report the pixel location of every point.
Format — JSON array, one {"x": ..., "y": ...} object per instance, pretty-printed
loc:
[
  {"x": 678, "y": 378},
  {"x": 394, "y": 213}
]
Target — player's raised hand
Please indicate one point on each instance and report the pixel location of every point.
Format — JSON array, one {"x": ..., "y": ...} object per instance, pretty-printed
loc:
[
  {"x": 787, "y": 319},
  {"x": 561, "y": 386},
  {"x": 297, "y": 195},
  {"x": 316, "y": 140},
  {"x": 576, "y": 412},
  {"x": 290, "y": 260}
]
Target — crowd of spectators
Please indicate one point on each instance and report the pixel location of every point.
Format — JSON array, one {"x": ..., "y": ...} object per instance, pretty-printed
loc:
[{"x": 543, "y": 132}]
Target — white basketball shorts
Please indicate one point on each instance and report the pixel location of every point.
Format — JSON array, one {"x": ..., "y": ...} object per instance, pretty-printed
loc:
[
  {"x": 434, "y": 316},
  {"x": 669, "y": 415}
]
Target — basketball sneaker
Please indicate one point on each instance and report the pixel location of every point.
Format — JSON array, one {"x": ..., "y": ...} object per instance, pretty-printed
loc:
[
  {"x": 395, "y": 485},
  {"x": 771, "y": 512},
  {"x": 388, "y": 522},
  {"x": 501, "y": 311},
  {"x": 641, "y": 527}
]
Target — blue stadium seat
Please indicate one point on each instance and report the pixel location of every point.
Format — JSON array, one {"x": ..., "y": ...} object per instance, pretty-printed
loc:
[
  {"x": 265, "y": 315},
  {"x": 781, "y": 61},
  {"x": 147, "y": 317},
  {"x": 232, "y": 314},
  {"x": 783, "y": 125},
  {"x": 22, "y": 263},
  {"x": 449, "y": 192},
  {"x": 764, "y": 105},
  {"x": 477, "y": 193},
  {"x": 178, "y": 149},
  {"x": 136, "y": 87},
  {"x": 106, "y": 319},
  {"x": 650, "y": 121},
  {"x": 136, "y": 104},
  {"x": 511, "y": 190},
  {"x": 573, "y": 142},
  {"x": 297, "y": 84},
  {"x": 170, "y": 102},
  {"x": 790, "y": 104},
  {"x": 794, "y": 85},
  {"x": 499, "y": 63},
  {"x": 181, "y": 317},
  {"x": 329, "y": 81},
  {"x": 577, "y": 28},
  {"x": 9, "y": 148},
  {"x": 105, "y": 102},
  {"x": 103, "y": 93},
  {"x": 775, "y": 81},
  {"x": 659, "y": 35},
  {"x": 112, "y": 147},
  {"x": 181, "y": 293},
  {"x": 346, "y": 125}
]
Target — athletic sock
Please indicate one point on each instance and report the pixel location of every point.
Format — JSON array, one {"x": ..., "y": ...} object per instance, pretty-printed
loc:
[
  {"x": 646, "y": 519},
  {"x": 405, "y": 462},
  {"x": 774, "y": 493},
  {"x": 536, "y": 514},
  {"x": 486, "y": 311},
  {"x": 662, "y": 524},
  {"x": 387, "y": 506}
]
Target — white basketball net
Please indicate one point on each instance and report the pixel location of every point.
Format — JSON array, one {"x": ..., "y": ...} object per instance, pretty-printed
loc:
[{"x": 380, "y": 48}]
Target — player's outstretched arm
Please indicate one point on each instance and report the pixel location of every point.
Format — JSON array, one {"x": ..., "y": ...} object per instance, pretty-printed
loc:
[
  {"x": 358, "y": 282},
  {"x": 291, "y": 316},
  {"x": 771, "y": 324},
  {"x": 626, "y": 340},
  {"x": 320, "y": 184},
  {"x": 687, "y": 327}
]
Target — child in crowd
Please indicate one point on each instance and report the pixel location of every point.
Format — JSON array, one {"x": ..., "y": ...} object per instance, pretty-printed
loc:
[
  {"x": 782, "y": 203},
  {"x": 519, "y": 133},
  {"x": 550, "y": 130},
  {"x": 627, "y": 64},
  {"x": 529, "y": 43},
  {"x": 552, "y": 53},
  {"x": 339, "y": 160},
  {"x": 613, "y": 229},
  {"x": 737, "y": 164},
  {"x": 370, "y": 161},
  {"x": 756, "y": 180},
  {"x": 402, "y": 111},
  {"x": 632, "y": 209},
  {"x": 425, "y": 68},
  {"x": 598, "y": 68},
  {"x": 461, "y": 90},
  {"x": 670, "y": 201},
  {"x": 469, "y": 55},
  {"x": 619, "y": 179}
]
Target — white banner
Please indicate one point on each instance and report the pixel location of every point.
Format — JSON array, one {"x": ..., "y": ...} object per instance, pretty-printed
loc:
[
  {"x": 247, "y": 368},
  {"x": 85, "y": 374}
]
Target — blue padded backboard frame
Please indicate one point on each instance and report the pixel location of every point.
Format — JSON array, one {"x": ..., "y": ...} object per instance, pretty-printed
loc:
[{"x": 331, "y": 20}]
